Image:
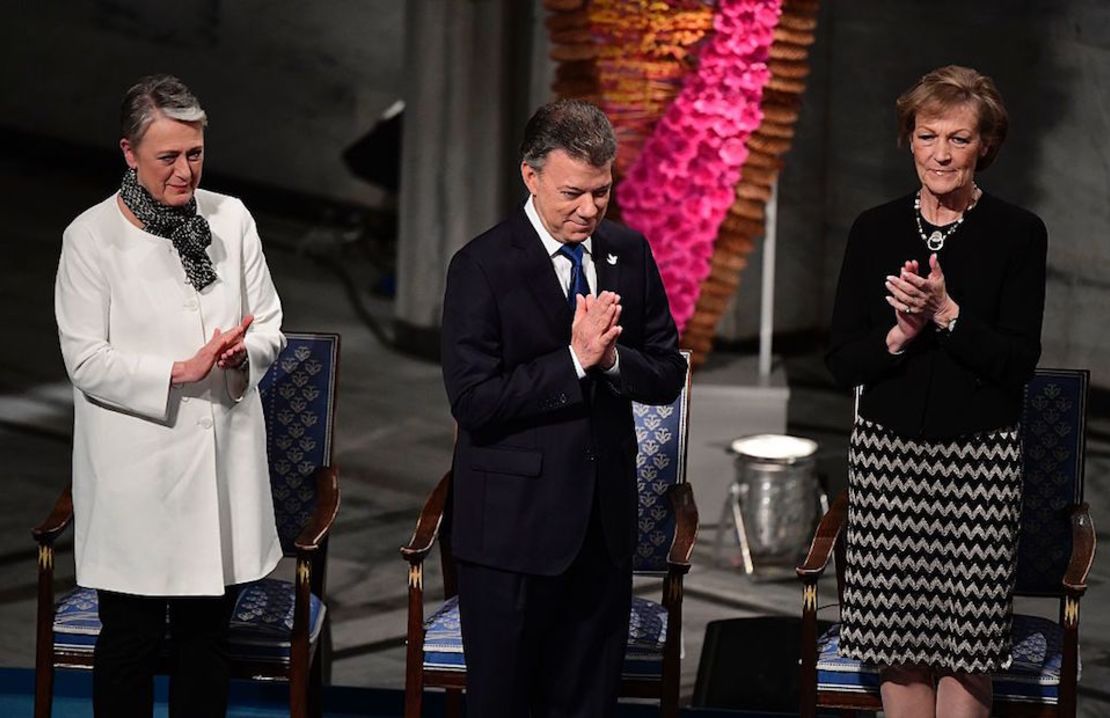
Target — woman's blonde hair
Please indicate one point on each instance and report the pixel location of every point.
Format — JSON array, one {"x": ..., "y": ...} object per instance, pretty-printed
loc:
[{"x": 951, "y": 86}]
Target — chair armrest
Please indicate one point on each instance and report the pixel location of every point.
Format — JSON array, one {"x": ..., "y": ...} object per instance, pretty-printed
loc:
[
  {"x": 686, "y": 527},
  {"x": 1082, "y": 550},
  {"x": 427, "y": 526},
  {"x": 58, "y": 520},
  {"x": 825, "y": 539},
  {"x": 327, "y": 506}
]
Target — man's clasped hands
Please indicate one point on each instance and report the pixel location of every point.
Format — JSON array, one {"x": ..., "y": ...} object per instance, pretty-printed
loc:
[{"x": 594, "y": 331}]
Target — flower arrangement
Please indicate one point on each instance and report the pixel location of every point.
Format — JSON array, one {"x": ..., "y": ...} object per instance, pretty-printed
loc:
[
  {"x": 646, "y": 50},
  {"x": 633, "y": 58},
  {"x": 682, "y": 184}
]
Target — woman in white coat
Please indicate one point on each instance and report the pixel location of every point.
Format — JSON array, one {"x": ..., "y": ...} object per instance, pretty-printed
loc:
[{"x": 167, "y": 318}]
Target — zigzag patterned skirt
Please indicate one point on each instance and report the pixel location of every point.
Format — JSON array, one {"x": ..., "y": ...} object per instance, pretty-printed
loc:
[{"x": 931, "y": 549}]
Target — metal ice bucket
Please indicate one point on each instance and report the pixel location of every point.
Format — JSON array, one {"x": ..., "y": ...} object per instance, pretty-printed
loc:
[{"x": 773, "y": 503}]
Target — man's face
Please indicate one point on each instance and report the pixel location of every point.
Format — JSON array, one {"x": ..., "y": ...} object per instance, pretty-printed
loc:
[{"x": 571, "y": 195}]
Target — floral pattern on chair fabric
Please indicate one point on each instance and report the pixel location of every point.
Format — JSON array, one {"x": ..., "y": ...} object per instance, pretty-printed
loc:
[
  {"x": 1052, "y": 434},
  {"x": 660, "y": 464},
  {"x": 296, "y": 396}
]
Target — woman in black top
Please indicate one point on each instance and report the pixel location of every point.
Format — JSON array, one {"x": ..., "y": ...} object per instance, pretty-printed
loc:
[{"x": 938, "y": 316}]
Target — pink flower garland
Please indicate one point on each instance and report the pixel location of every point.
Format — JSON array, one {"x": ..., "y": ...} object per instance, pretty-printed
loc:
[{"x": 679, "y": 190}]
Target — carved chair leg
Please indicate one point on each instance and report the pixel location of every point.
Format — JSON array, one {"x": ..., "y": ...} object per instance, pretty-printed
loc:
[
  {"x": 44, "y": 676},
  {"x": 44, "y": 634},
  {"x": 668, "y": 691},
  {"x": 668, "y": 707},
  {"x": 1069, "y": 669},
  {"x": 453, "y": 703},
  {"x": 414, "y": 650},
  {"x": 315, "y": 684},
  {"x": 672, "y": 661},
  {"x": 44, "y": 691},
  {"x": 414, "y": 698},
  {"x": 298, "y": 700},
  {"x": 807, "y": 668},
  {"x": 327, "y": 646},
  {"x": 414, "y": 670}
]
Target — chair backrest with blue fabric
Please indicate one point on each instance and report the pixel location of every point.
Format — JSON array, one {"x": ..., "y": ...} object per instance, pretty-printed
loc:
[
  {"x": 660, "y": 464},
  {"x": 1053, "y": 431},
  {"x": 298, "y": 398}
]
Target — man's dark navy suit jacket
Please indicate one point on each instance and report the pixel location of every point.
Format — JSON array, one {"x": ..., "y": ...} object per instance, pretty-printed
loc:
[{"x": 535, "y": 444}]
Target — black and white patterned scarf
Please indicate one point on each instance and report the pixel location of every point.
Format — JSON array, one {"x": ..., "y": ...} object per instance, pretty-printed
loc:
[{"x": 188, "y": 231}]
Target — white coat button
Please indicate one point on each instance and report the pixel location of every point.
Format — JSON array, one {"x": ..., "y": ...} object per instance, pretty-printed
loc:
[
  {"x": 185, "y": 399},
  {"x": 191, "y": 305},
  {"x": 205, "y": 422}
]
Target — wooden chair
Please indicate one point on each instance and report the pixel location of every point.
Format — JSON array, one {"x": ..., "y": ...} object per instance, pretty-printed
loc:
[
  {"x": 1054, "y": 556},
  {"x": 668, "y": 522},
  {"x": 277, "y": 625}
]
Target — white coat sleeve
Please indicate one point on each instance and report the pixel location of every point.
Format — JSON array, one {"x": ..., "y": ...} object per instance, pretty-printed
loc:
[
  {"x": 264, "y": 339},
  {"x": 137, "y": 382}
]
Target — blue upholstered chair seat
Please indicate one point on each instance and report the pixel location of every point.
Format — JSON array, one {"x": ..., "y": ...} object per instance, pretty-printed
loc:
[
  {"x": 1034, "y": 675},
  {"x": 76, "y": 623},
  {"x": 647, "y": 631},
  {"x": 261, "y": 623}
]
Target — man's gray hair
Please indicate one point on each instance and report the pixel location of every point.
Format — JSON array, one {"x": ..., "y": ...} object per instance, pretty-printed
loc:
[
  {"x": 577, "y": 127},
  {"x": 153, "y": 95}
]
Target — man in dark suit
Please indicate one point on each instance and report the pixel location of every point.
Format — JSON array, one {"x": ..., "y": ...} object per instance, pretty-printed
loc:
[{"x": 554, "y": 321}]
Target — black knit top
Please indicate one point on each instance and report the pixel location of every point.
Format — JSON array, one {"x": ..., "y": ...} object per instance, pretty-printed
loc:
[{"x": 945, "y": 384}]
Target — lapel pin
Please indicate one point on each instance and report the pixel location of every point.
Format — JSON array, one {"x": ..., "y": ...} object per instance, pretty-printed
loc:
[{"x": 611, "y": 258}]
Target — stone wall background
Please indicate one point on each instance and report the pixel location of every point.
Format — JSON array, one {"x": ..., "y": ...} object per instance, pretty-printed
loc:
[
  {"x": 1051, "y": 61},
  {"x": 289, "y": 85}
]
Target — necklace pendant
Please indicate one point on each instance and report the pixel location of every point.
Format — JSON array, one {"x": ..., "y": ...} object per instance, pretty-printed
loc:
[{"x": 935, "y": 243}]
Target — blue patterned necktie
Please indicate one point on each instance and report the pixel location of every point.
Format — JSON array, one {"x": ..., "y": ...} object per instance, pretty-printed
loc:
[{"x": 578, "y": 283}]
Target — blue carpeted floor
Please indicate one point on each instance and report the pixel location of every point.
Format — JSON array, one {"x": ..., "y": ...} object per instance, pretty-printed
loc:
[
  {"x": 261, "y": 700},
  {"x": 248, "y": 700}
]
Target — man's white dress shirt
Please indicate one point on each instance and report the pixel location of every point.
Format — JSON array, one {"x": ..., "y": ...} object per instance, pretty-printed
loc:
[{"x": 563, "y": 266}]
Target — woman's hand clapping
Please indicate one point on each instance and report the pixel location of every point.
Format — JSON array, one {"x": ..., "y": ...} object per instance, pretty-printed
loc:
[
  {"x": 223, "y": 347},
  {"x": 907, "y": 324},
  {"x": 917, "y": 300},
  {"x": 913, "y": 294}
]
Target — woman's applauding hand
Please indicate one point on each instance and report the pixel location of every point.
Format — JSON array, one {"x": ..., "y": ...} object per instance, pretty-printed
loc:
[
  {"x": 224, "y": 347},
  {"x": 907, "y": 322}
]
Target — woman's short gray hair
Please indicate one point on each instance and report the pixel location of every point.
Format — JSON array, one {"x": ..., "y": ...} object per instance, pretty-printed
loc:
[
  {"x": 577, "y": 127},
  {"x": 153, "y": 95}
]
